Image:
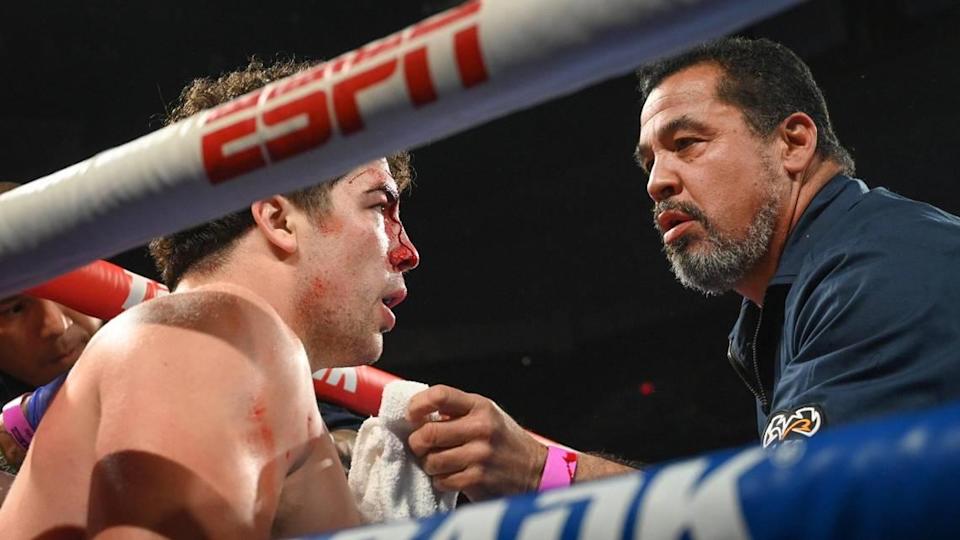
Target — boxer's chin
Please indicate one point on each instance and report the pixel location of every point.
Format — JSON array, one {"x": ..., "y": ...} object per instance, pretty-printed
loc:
[
  {"x": 376, "y": 350},
  {"x": 360, "y": 352}
]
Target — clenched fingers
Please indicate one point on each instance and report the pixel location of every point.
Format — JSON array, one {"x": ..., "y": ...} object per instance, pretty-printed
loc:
[
  {"x": 453, "y": 460},
  {"x": 434, "y": 436},
  {"x": 442, "y": 399}
]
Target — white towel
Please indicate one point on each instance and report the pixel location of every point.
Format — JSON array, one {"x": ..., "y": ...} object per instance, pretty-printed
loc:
[{"x": 385, "y": 478}]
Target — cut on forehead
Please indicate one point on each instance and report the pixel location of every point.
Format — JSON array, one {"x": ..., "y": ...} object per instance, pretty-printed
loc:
[
  {"x": 376, "y": 174},
  {"x": 398, "y": 175}
]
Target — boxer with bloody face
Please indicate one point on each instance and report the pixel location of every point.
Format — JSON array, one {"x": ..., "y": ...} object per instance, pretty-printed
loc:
[{"x": 194, "y": 414}]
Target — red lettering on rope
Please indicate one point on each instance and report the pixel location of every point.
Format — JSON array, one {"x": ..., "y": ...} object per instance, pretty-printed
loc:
[
  {"x": 416, "y": 71},
  {"x": 466, "y": 44},
  {"x": 221, "y": 167},
  {"x": 315, "y": 133},
  {"x": 313, "y": 107},
  {"x": 337, "y": 65},
  {"x": 345, "y": 95}
]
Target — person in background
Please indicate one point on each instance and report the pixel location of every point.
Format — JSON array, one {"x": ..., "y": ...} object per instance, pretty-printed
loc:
[{"x": 40, "y": 340}]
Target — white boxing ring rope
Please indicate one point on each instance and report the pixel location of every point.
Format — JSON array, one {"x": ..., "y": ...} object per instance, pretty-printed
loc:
[{"x": 470, "y": 64}]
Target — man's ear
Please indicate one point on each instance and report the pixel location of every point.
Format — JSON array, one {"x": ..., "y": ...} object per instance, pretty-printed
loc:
[
  {"x": 799, "y": 135},
  {"x": 273, "y": 218}
]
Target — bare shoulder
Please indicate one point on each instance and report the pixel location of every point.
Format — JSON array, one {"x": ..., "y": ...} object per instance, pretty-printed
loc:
[
  {"x": 209, "y": 393},
  {"x": 217, "y": 341},
  {"x": 175, "y": 325},
  {"x": 210, "y": 357},
  {"x": 244, "y": 321}
]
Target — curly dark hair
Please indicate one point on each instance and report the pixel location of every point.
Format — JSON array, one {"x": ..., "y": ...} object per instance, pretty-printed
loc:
[
  {"x": 765, "y": 80},
  {"x": 204, "y": 247}
]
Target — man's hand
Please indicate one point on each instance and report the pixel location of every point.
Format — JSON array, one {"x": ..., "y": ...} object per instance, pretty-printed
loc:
[{"x": 476, "y": 448}]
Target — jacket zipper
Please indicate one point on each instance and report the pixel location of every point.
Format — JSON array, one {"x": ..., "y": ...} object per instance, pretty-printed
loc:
[
  {"x": 757, "y": 390},
  {"x": 756, "y": 364},
  {"x": 738, "y": 369}
]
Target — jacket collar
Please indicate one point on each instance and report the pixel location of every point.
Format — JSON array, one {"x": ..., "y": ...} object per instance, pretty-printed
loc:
[{"x": 824, "y": 212}]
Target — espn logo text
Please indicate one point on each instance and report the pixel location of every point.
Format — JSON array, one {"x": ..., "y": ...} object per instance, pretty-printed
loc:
[{"x": 299, "y": 113}]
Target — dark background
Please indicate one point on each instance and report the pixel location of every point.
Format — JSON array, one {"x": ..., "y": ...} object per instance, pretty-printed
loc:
[{"x": 542, "y": 284}]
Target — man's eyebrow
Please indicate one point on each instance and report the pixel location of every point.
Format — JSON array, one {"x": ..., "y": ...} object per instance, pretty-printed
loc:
[
  {"x": 679, "y": 123},
  {"x": 391, "y": 191}
]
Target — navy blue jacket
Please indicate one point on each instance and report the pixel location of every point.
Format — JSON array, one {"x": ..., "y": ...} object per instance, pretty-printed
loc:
[{"x": 862, "y": 317}]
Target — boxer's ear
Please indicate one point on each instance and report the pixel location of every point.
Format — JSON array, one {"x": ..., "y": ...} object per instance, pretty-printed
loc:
[
  {"x": 798, "y": 133},
  {"x": 273, "y": 217}
]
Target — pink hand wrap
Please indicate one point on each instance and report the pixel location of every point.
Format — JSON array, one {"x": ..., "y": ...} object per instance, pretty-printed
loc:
[
  {"x": 16, "y": 424},
  {"x": 559, "y": 469}
]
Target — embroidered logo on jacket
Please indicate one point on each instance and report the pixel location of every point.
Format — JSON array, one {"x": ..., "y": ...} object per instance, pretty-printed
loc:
[{"x": 803, "y": 421}]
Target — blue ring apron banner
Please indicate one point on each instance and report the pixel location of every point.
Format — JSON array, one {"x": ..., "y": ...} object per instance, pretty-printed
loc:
[{"x": 894, "y": 478}]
